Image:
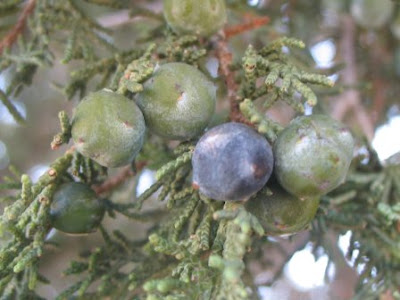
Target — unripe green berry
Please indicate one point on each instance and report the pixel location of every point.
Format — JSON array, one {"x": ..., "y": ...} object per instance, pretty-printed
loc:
[
  {"x": 76, "y": 209},
  {"x": 108, "y": 128},
  {"x": 178, "y": 102},
  {"x": 313, "y": 155},
  {"x": 281, "y": 212},
  {"x": 201, "y": 17},
  {"x": 372, "y": 14}
]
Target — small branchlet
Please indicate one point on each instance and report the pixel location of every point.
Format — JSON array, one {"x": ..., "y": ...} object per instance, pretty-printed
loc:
[
  {"x": 184, "y": 194},
  {"x": 182, "y": 48},
  {"x": 97, "y": 266},
  {"x": 202, "y": 235},
  {"x": 174, "y": 165},
  {"x": 237, "y": 240},
  {"x": 137, "y": 72},
  {"x": 185, "y": 215},
  {"x": 105, "y": 67},
  {"x": 283, "y": 80},
  {"x": 27, "y": 220},
  {"x": 11, "y": 108},
  {"x": 65, "y": 134},
  {"x": 162, "y": 245},
  {"x": 264, "y": 125},
  {"x": 146, "y": 194},
  {"x": 280, "y": 74},
  {"x": 11, "y": 183},
  {"x": 368, "y": 203},
  {"x": 167, "y": 174}
]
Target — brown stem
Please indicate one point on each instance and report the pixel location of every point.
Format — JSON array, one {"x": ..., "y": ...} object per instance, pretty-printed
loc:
[
  {"x": 345, "y": 278},
  {"x": 379, "y": 100},
  {"x": 13, "y": 34},
  {"x": 251, "y": 23},
  {"x": 379, "y": 57},
  {"x": 350, "y": 100},
  {"x": 225, "y": 60},
  {"x": 270, "y": 265},
  {"x": 287, "y": 249},
  {"x": 113, "y": 182}
]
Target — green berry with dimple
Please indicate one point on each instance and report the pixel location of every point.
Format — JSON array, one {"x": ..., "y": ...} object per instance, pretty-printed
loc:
[
  {"x": 204, "y": 17},
  {"x": 313, "y": 155},
  {"x": 178, "y": 101},
  {"x": 282, "y": 213},
  {"x": 76, "y": 209},
  {"x": 108, "y": 128},
  {"x": 372, "y": 14}
]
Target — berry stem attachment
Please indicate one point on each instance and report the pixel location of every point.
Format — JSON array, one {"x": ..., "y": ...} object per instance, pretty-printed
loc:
[
  {"x": 137, "y": 72},
  {"x": 264, "y": 125}
]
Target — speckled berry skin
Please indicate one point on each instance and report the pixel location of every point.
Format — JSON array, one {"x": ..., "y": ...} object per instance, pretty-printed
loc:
[
  {"x": 203, "y": 17},
  {"x": 282, "y": 213},
  {"x": 372, "y": 14},
  {"x": 178, "y": 102},
  {"x": 108, "y": 128},
  {"x": 313, "y": 155},
  {"x": 76, "y": 209},
  {"x": 231, "y": 162}
]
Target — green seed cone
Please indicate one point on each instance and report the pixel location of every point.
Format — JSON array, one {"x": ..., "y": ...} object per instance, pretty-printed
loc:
[
  {"x": 76, "y": 209},
  {"x": 108, "y": 128},
  {"x": 313, "y": 155},
  {"x": 203, "y": 17},
  {"x": 282, "y": 213},
  {"x": 178, "y": 102}
]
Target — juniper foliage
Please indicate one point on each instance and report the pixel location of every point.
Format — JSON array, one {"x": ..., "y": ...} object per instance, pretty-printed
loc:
[{"x": 196, "y": 248}]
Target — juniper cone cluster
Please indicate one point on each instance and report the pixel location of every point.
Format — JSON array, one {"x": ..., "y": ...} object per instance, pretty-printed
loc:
[{"x": 228, "y": 174}]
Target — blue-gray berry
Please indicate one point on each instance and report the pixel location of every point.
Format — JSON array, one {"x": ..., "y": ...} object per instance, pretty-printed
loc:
[{"x": 231, "y": 162}]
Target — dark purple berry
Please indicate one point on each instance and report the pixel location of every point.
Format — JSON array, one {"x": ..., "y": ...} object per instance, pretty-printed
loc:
[{"x": 231, "y": 162}]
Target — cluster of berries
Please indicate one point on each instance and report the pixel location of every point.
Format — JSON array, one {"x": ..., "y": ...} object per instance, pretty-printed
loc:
[{"x": 231, "y": 162}]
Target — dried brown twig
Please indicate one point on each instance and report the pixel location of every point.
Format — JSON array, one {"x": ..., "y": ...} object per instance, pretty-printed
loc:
[
  {"x": 252, "y": 22},
  {"x": 225, "y": 60},
  {"x": 117, "y": 180},
  {"x": 350, "y": 100},
  {"x": 13, "y": 34}
]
